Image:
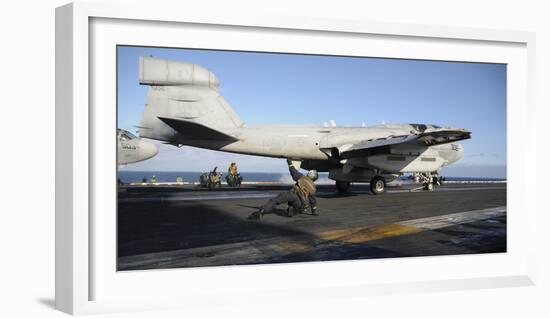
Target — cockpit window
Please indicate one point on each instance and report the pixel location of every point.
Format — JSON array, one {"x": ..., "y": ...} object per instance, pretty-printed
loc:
[
  {"x": 421, "y": 127},
  {"x": 125, "y": 135}
]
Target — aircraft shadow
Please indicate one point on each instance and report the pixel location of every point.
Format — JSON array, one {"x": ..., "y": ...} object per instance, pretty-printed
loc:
[{"x": 149, "y": 228}]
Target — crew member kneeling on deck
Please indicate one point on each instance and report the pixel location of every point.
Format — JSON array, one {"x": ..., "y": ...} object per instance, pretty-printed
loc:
[{"x": 299, "y": 198}]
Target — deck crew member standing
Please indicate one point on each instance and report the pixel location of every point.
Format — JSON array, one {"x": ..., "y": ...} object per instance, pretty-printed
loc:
[
  {"x": 232, "y": 170},
  {"x": 300, "y": 197}
]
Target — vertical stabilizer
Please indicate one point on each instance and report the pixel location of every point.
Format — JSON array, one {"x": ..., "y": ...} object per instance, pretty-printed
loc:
[{"x": 182, "y": 91}]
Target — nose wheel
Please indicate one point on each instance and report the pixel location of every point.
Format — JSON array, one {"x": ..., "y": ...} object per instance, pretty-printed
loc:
[
  {"x": 429, "y": 181},
  {"x": 429, "y": 186}
]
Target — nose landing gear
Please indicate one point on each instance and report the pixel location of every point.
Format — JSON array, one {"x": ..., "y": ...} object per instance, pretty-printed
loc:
[
  {"x": 377, "y": 185},
  {"x": 429, "y": 181}
]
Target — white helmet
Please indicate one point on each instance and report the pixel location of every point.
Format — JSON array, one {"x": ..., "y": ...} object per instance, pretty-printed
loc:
[{"x": 313, "y": 175}]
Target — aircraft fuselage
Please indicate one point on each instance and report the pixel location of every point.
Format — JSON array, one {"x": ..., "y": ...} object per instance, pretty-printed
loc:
[{"x": 315, "y": 143}]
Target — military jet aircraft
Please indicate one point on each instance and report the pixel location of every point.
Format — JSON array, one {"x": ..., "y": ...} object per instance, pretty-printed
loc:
[
  {"x": 184, "y": 107},
  {"x": 132, "y": 149}
]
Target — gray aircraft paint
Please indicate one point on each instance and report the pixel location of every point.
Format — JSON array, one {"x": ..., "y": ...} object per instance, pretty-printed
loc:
[
  {"x": 131, "y": 149},
  {"x": 184, "y": 107}
]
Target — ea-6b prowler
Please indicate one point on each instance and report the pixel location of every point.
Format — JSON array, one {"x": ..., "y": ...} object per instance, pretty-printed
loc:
[
  {"x": 184, "y": 107},
  {"x": 131, "y": 149}
]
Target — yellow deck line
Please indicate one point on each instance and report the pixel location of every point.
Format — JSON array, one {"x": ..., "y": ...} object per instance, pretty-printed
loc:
[
  {"x": 367, "y": 233},
  {"x": 376, "y": 232},
  {"x": 294, "y": 246}
]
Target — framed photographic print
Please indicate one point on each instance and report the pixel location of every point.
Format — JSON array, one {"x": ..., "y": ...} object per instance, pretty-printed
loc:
[{"x": 203, "y": 159}]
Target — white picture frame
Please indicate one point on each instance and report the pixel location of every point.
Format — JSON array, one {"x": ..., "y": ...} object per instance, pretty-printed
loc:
[{"x": 78, "y": 169}]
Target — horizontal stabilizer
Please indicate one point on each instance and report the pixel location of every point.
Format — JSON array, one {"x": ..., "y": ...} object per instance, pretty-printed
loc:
[
  {"x": 194, "y": 131},
  {"x": 431, "y": 137}
]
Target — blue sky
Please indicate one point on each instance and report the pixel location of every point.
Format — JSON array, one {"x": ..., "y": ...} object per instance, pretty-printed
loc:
[{"x": 271, "y": 88}]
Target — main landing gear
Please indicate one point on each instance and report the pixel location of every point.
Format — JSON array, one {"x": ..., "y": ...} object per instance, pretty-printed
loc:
[{"x": 377, "y": 185}]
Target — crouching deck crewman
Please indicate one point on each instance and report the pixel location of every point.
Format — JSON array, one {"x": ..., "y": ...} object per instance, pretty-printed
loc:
[{"x": 299, "y": 198}]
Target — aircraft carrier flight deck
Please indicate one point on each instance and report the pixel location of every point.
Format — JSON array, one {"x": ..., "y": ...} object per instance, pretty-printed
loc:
[{"x": 182, "y": 226}]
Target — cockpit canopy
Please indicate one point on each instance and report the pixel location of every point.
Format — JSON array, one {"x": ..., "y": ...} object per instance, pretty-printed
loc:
[
  {"x": 124, "y": 135},
  {"x": 421, "y": 127}
]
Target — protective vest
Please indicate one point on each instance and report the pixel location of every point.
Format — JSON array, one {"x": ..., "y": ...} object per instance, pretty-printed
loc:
[{"x": 304, "y": 188}]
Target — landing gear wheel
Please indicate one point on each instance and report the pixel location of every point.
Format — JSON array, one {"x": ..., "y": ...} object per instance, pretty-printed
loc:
[
  {"x": 378, "y": 185},
  {"x": 342, "y": 186},
  {"x": 429, "y": 186}
]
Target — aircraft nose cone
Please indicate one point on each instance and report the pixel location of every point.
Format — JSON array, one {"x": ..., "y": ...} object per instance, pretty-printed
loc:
[
  {"x": 147, "y": 149},
  {"x": 459, "y": 153}
]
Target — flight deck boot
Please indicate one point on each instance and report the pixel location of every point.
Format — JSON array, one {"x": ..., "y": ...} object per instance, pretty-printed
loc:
[
  {"x": 314, "y": 211},
  {"x": 256, "y": 215}
]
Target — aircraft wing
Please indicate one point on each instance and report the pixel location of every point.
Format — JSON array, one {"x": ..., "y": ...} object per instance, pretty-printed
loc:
[
  {"x": 429, "y": 137},
  {"x": 195, "y": 131}
]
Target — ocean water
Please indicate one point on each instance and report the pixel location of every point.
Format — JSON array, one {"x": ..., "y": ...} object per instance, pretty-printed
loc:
[{"x": 192, "y": 176}]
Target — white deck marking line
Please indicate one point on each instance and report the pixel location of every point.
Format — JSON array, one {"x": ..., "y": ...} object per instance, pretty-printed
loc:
[
  {"x": 380, "y": 231},
  {"x": 441, "y": 221}
]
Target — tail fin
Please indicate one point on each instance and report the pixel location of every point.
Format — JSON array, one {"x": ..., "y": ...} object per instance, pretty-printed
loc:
[{"x": 181, "y": 91}]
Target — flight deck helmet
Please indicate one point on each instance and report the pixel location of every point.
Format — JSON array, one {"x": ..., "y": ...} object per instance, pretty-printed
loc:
[{"x": 313, "y": 175}]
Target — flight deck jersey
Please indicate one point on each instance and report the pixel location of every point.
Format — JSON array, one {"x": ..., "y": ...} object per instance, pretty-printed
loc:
[{"x": 304, "y": 188}]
